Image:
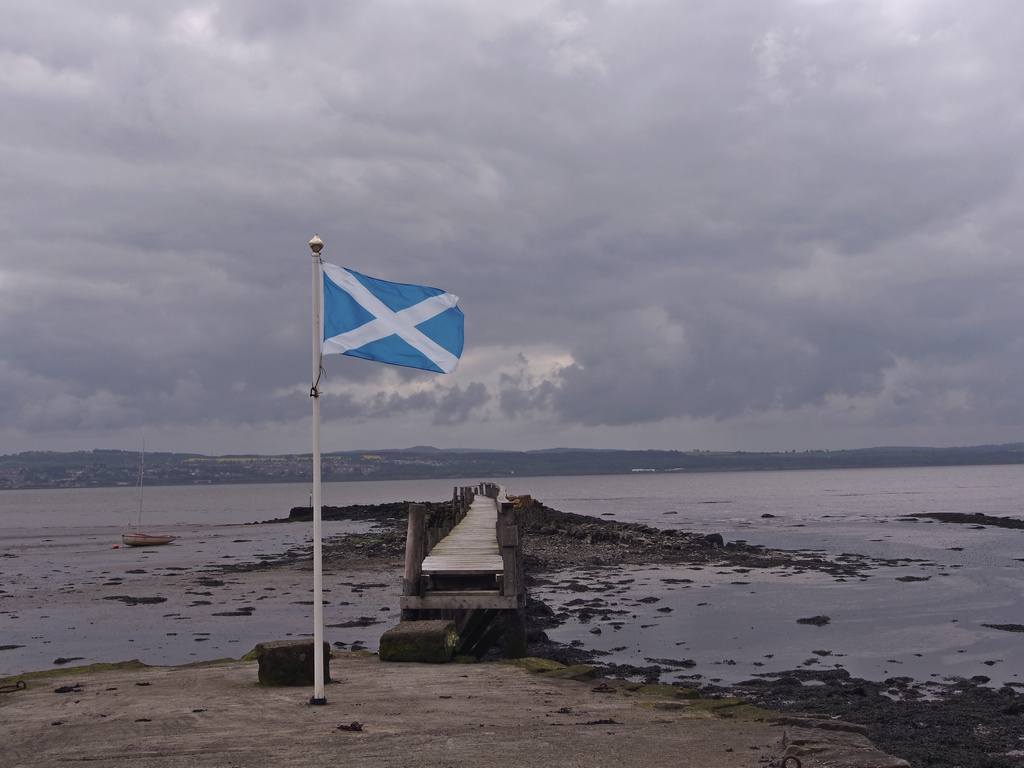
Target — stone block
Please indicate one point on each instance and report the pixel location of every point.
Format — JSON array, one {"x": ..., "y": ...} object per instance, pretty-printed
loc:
[
  {"x": 434, "y": 641},
  {"x": 290, "y": 662}
]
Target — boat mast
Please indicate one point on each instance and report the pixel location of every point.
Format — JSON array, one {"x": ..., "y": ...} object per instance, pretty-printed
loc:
[{"x": 142, "y": 474}]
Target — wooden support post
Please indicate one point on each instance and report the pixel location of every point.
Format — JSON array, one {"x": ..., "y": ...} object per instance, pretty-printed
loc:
[
  {"x": 508, "y": 534},
  {"x": 415, "y": 551},
  {"x": 515, "y": 634}
]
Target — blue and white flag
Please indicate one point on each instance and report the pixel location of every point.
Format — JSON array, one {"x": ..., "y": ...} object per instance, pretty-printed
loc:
[{"x": 410, "y": 325}]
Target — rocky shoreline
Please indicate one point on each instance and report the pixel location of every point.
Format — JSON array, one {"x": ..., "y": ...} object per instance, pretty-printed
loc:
[{"x": 958, "y": 722}]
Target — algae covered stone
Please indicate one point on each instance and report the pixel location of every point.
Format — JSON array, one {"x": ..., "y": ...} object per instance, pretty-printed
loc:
[
  {"x": 434, "y": 641},
  {"x": 290, "y": 662}
]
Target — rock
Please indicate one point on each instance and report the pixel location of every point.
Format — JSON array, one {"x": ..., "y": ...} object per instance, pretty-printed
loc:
[
  {"x": 434, "y": 641},
  {"x": 1006, "y": 627},
  {"x": 789, "y": 681},
  {"x": 715, "y": 540},
  {"x": 129, "y": 600},
  {"x": 290, "y": 662},
  {"x": 535, "y": 607},
  {"x": 817, "y": 621}
]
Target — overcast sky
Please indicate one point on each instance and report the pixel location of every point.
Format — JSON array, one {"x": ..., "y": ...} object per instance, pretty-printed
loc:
[{"x": 756, "y": 225}]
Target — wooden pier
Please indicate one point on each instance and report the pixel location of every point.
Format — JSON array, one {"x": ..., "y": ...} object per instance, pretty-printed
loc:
[{"x": 471, "y": 573}]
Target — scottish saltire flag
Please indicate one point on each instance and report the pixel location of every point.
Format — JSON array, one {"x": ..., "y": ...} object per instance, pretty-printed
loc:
[{"x": 410, "y": 325}]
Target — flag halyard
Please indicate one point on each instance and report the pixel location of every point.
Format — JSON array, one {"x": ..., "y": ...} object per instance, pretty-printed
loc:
[{"x": 414, "y": 326}]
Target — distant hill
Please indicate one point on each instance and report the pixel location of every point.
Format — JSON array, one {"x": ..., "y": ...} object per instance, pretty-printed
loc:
[{"x": 98, "y": 468}]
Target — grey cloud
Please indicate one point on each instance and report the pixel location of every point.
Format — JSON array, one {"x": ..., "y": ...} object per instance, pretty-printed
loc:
[
  {"x": 713, "y": 212},
  {"x": 521, "y": 394},
  {"x": 446, "y": 405}
]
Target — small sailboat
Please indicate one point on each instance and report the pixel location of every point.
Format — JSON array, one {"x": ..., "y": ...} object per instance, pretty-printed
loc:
[
  {"x": 137, "y": 538},
  {"x": 140, "y": 539}
]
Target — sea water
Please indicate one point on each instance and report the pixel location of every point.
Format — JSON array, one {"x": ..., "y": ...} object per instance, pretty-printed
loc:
[
  {"x": 63, "y": 584},
  {"x": 920, "y": 610}
]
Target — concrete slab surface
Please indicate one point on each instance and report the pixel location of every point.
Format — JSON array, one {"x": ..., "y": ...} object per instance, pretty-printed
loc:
[{"x": 377, "y": 714}]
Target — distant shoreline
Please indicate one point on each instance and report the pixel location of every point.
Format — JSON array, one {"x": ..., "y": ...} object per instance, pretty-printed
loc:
[{"x": 110, "y": 468}]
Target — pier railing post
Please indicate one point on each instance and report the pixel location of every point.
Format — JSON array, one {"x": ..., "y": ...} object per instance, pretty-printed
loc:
[{"x": 415, "y": 551}]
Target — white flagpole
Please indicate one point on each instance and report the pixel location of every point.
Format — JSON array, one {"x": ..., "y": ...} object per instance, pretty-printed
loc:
[{"x": 315, "y": 245}]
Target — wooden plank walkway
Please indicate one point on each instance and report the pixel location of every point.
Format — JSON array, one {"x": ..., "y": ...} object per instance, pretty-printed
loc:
[
  {"x": 473, "y": 575},
  {"x": 472, "y": 546}
]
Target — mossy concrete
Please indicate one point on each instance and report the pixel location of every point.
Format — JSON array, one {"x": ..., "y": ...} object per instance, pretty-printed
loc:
[
  {"x": 533, "y": 664},
  {"x": 79, "y": 670},
  {"x": 548, "y": 668},
  {"x": 672, "y": 691},
  {"x": 433, "y": 642},
  {"x": 290, "y": 662},
  {"x": 580, "y": 672}
]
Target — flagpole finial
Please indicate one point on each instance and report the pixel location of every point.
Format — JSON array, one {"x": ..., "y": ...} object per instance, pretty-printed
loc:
[{"x": 316, "y": 245}]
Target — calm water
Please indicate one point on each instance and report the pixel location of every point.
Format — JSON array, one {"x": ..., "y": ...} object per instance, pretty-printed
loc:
[{"x": 61, "y": 578}]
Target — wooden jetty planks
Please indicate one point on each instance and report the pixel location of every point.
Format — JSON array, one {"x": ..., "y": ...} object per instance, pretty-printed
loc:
[{"x": 472, "y": 545}]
